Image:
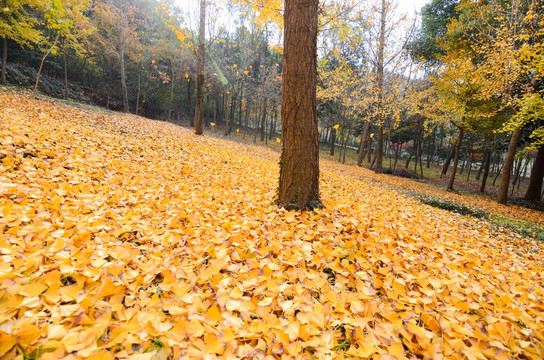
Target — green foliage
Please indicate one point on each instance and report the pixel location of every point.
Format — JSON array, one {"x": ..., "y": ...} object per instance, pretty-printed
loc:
[{"x": 435, "y": 16}]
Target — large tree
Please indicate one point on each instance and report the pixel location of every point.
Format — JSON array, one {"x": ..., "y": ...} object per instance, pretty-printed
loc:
[
  {"x": 201, "y": 57},
  {"x": 18, "y": 24},
  {"x": 299, "y": 164}
]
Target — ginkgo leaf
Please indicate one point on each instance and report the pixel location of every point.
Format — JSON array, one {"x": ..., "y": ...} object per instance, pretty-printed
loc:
[
  {"x": 127, "y": 237},
  {"x": 213, "y": 315}
]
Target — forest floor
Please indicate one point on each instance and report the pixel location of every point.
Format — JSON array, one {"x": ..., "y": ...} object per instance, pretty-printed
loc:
[
  {"x": 123, "y": 237},
  {"x": 430, "y": 189}
]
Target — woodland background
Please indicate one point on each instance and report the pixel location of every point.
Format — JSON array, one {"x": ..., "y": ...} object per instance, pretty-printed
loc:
[{"x": 454, "y": 92}]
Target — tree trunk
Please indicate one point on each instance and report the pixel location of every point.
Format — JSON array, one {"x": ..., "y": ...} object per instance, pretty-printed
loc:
[
  {"x": 397, "y": 153},
  {"x": 380, "y": 81},
  {"x": 138, "y": 94},
  {"x": 537, "y": 174},
  {"x": 447, "y": 163},
  {"x": 507, "y": 168},
  {"x": 201, "y": 57},
  {"x": 273, "y": 124},
  {"x": 456, "y": 160},
  {"x": 299, "y": 164},
  {"x": 65, "y": 71},
  {"x": 172, "y": 87},
  {"x": 4, "y": 59},
  {"x": 524, "y": 172},
  {"x": 487, "y": 165},
  {"x": 410, "y": 157},
  {"x": 263, "y": 121},
  {"x": 333, "y": 141},
  {"x": 469, "y": 166},
  {"x": 122, "y": 39},
  {"x": 41, "y": 64},
  {"x": 379, "y": 151},
  {"x": 190, "y": 101}
]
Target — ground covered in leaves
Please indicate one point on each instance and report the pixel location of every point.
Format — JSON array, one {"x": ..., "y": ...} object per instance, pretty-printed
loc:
[{"x": 127, "y": 238}]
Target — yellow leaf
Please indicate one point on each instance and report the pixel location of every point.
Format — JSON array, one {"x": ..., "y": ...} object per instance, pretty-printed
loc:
[
  {"x": 336, "y": 126},
  {"x": 32, "y": 290},
  {"x": 214, "y": 345},
  {"x": 213, "y": 315},
  {"x": 6, "y": 342}
]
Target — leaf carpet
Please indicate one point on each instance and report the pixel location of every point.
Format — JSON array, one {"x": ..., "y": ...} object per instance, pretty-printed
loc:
[{"x": 126, "y": 238}]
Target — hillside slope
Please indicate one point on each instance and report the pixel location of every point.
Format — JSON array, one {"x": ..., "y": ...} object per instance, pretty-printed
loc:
[{"x": 123, "y": 237}]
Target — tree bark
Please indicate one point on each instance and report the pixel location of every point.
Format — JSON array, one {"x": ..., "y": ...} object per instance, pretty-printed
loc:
[
  {"x": 299, "y": 164},
  {"x": 172, "y": 91},
  {"x": 379, "y": 151},
  {"x": 137, "y": 107},
  {"x": 4, "y": 59},
  {"x": 65, "y": 71},
  {"x": 200, "y": 65},
  {"x": 363, "y": 144},
  {"x": 122, "y": 41},
  {"x": 507, "y": 168},
  {"x": 333, "y": 141},
  {"x": 447, "y": 163},
  {"x": 41, "y": 64},
  {"x": 456, "y": 160},
  {"x": 190, "y": 101},
  {"x": 263, "y": 121},
  {"x": 537, "y": 174},
  {"x": 486, "y": 167},
  {"x": 380, "y": 80}
]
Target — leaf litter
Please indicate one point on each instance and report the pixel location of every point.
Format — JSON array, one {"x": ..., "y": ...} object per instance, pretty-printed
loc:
[{"x": 126, "y": 238}]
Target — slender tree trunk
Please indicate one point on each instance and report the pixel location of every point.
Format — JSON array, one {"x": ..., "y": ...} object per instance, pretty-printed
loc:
[
  {"x": 456, "y": 160},
  {"x": 430, "y": 149},
  {"x": 421, "y": 151},
  {"x": 380, "y": 79},
  {"x": 4, "y": 59},
  {"x": 263, "y": 121},
  {"x": 487, "y": 165},
  {"x": 363, "y": 144},
  {"x": 201, "y": 58},
  {"x": 507, "y": 168},
  {"x": 469, "y": 166},
  {"x": 215, "y": 113},
  {"x": 537, "y": 174},
  {"x": 137, "y": 107},
  {"x": 333, "y": 141},
  {"x": 122, "y": 41},
  {"x": 369, "y": 152},
  {"x": 299, "y": 164},
  {"x": 498, "y": 172},
  {"x": 240, "y": 105},
  {"x": 41, "y": 64},
  {"x": 227, "y": 120},
  {"x": 524, "y": 172},
  {"x": 397, "y": 153},
  {"x": 273, "y": 124},
  {"x": 447, "y": 163},
  {"x": 190, "y": 101},
  {"x": 172, "y": 87},
  {"x": 65, "y": 70},
  {"x": 410, "y": 157},
  {"x": 479, "y": 174},
  {"x": 379, "y": 151}
]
